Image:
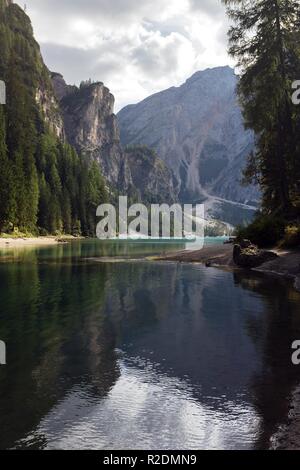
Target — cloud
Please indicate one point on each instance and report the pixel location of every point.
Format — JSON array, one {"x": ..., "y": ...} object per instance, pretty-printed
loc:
[
  {"x": 161, "y": 55},
  {"x": 135, "y": 47},
  {"x": 210, "y": 7}
]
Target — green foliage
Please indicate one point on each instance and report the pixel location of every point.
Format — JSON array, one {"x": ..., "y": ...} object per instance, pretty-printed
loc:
[
  {"x": 141, "y": 151},
  {"x": 265, "y": 41},
  {"x": 45, "y": 186},
  {"x": 291, "y": 236},
  {"x": 5, "y": 174},
  {"x": 264, "y": 231}
]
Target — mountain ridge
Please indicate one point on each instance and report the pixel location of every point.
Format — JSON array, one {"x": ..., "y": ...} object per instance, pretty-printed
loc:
[{"x": 197, "y": 129}]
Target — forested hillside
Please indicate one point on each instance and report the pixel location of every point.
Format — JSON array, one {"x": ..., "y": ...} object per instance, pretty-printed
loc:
[{"x": 45, "y": 186}]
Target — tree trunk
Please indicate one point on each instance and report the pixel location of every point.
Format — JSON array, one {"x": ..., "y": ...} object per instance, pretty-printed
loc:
[{"x": 284, "y": 118}]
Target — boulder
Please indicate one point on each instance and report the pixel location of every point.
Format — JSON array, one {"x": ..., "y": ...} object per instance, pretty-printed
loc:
[
  {"x": 246, "y": 244},
  {"x": 247, "y": 255},
  {"x": 297, "y": 283}
]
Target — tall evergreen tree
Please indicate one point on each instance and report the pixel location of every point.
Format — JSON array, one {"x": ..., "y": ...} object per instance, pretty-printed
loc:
[
  {"x": 21, "y": 141},
  {"x": 262, "y": 39},
  {"x": 5, "y": 174}
]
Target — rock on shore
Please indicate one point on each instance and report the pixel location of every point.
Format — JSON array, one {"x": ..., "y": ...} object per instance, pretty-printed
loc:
[
  {"x": 278, "y": 262},
  {"x": 247, "y": 255}
]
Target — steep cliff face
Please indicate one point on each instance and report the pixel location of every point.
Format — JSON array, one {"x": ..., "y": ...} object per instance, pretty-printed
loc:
[
  {"x": 16, "y": 36},
  {"x": 60, "y": 86},
  {"x": 50, "y": 109},
  {"x": 152, "y": 180},
  {"x": 91, "y": 127},
  {"x": 7, "y": 2},
  {"x": 197, "y": 129}
]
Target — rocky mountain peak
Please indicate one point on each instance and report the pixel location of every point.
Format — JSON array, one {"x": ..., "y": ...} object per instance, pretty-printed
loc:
[
  {"x": 215, "y": 73},
  {"x": 88, "y": 113},
  {"x": 91, "y": 127},
  {"x": 197, "y": 129},
  {"x": 60, "y": 87}
]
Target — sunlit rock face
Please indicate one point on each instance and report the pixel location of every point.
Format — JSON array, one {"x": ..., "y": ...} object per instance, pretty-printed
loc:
[
  {"x": 197, "y": 129},
  {"x": 92, "y": 128}
]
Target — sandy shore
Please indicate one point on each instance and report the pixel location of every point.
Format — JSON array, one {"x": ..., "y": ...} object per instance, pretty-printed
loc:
[
  {"x": 286, "y": 265},
  {"x": 218, "y": 255},
  {"x": 34, "y": 241}
]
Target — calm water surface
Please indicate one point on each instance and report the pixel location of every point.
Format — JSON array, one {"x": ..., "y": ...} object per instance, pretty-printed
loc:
[{"x": 137, "y": 354}]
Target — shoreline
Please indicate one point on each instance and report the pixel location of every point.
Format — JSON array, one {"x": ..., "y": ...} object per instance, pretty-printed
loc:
[
  {"x": 287, "y": 265},
  {"x": 287, "y": 437},
  {"x": 216, "y": 255},
  {"x": 23, "y": 242}
]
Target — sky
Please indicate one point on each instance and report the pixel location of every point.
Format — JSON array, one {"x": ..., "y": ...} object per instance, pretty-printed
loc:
[{"x": 136, "y": 47}]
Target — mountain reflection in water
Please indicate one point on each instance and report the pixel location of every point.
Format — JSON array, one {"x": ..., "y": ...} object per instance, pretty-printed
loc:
[{"x": 141, "y": 355}]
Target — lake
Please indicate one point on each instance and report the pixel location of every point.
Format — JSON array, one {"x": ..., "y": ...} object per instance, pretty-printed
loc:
[{"x": 135, "y": 354}]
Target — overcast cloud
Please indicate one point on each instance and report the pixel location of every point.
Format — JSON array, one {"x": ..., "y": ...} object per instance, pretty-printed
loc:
[{"x": 136, "y": 47}]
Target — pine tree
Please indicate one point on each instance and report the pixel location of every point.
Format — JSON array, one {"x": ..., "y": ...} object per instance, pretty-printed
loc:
[
  {"x": 262, "y": 40},
  {"x": 66, "y": 212},
  {"x": 44, "y": 204},
  {"x": 21, "y": 141},
  {"x": 95, "y": 195},
  {"x": 5, "y": 175}
]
